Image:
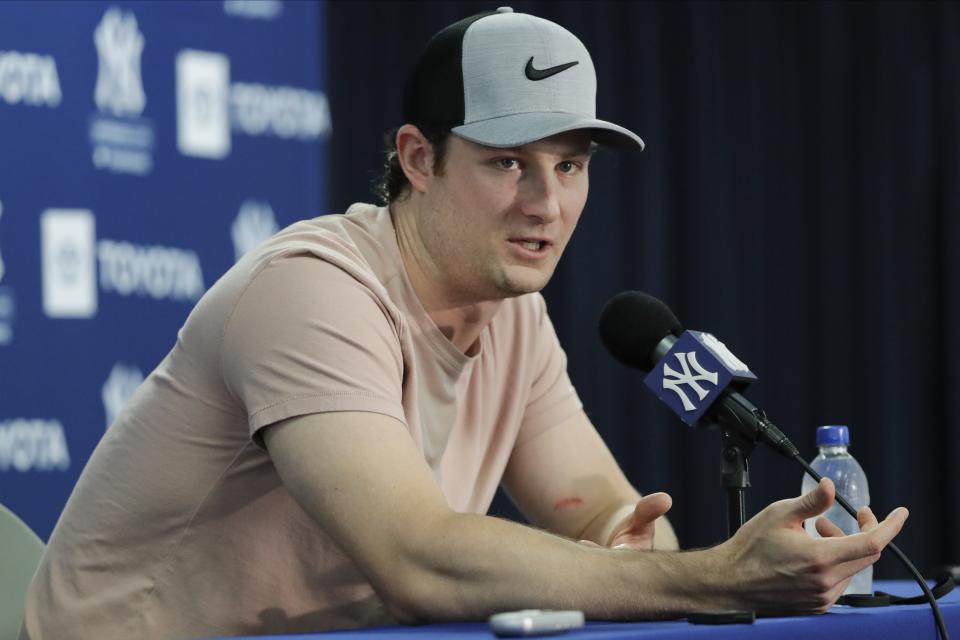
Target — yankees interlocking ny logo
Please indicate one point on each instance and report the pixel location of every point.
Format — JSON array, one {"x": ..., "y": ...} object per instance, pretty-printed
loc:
[
  {"x": 673, "y": 380},
  {"x": 119, "y": 45}
]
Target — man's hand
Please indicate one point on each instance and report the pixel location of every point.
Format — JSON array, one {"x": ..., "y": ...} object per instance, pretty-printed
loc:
[
  {"x": 636, "y": 530},
  {"x": 776, "y": 567}
]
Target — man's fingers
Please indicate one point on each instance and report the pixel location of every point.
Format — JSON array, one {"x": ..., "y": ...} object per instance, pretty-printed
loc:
[
  {"x": 813, "y": 503},
  {"x": 866, "y": 519},
  {"x": 651, "y": 507},
  {"x": 828, "y": 529},
  {"x": 638, "y": 528},
  {"x": 848, "y": 569},
  {"x": 648, "y": 509},
  {"x": 835, "y": 593},
  {"x": 872, "y": 542}
]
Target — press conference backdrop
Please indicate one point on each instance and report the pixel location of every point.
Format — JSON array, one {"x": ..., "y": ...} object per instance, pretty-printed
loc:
[{"x": 143, "y": 148}]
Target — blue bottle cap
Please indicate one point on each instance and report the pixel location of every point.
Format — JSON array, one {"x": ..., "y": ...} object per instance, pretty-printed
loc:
[{"x": 833, "y": 434}]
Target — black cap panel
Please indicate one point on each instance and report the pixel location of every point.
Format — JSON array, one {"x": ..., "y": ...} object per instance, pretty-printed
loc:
[{"x": 434, "y": 91}]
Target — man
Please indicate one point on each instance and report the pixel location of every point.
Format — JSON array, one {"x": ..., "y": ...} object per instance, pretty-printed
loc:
[{"x": 320, "y": 446}]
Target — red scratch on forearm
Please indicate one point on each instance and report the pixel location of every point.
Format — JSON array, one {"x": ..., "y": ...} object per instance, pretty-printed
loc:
[{"x": 563, "y": 503}]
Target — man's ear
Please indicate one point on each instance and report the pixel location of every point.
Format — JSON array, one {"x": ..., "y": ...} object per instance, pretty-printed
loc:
[{"x": 415, "y": 154}]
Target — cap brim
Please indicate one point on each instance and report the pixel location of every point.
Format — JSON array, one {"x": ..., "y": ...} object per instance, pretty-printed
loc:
[{"x": 523, "y": 128}]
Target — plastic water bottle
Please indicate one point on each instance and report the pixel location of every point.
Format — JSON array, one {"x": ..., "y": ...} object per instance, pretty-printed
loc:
[{"x": 836, "y": 463}]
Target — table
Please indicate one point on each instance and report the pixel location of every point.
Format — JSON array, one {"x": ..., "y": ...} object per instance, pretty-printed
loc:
[{"x": 908, "y": 622}]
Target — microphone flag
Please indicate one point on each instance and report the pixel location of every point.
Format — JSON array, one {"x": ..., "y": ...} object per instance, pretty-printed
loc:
[{"x": 693, "y": 374}]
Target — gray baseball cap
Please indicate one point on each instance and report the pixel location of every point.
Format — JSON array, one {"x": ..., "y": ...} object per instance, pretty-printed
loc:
[{"x": 504, "y": 79}]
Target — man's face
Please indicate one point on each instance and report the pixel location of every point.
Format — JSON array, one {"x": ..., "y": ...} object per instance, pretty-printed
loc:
[{"x": 496, "y": 221}]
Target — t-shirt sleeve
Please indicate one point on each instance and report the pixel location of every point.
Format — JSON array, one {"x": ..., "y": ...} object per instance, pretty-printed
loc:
[
  {"x": 308, "y": 337},
  {"x": 552, "y": 396}
]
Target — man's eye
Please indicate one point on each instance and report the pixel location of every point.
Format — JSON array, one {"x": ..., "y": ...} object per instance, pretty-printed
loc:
[
  {"x": 567, "y": 166},
  {"x": 506, "y": 163}
]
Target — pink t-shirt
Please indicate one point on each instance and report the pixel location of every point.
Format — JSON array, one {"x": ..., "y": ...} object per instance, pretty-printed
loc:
[{"x": 179, "y": 525}]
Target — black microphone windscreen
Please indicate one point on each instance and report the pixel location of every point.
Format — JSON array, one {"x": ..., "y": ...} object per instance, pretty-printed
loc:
[{"x": 632, "y": 323}]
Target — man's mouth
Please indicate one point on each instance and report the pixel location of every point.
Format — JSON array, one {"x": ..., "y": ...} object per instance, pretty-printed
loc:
[{"x": 532, "y": 247}]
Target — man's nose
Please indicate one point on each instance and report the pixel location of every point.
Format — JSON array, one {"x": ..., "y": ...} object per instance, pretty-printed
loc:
[{"x": 540, "y": 195}]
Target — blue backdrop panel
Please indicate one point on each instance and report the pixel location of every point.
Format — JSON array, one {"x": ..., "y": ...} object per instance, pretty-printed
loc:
[{"x": 143, "y": 148}]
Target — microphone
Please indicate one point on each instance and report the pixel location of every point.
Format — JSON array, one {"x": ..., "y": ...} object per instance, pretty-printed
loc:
[{"x": 690, "y": 371}]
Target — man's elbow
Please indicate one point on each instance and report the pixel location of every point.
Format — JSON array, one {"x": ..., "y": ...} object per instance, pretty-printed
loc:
[
  {"x": 415, "y": 596},
  {"x": 423, "y": 580}
]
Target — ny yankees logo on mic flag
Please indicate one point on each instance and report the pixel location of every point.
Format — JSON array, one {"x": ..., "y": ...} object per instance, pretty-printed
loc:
[{"x": 694, "y": 372}]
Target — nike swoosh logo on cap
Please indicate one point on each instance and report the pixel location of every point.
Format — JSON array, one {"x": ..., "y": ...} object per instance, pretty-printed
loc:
[{"x": 539, "y": 74}]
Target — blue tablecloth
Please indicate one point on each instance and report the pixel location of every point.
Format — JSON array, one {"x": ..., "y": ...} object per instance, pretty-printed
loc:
[{"x": 906, "y": 622}]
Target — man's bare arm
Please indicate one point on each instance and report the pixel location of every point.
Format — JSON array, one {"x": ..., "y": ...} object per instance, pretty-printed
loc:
[
  {"x": 566, "y": 480},
  {"x": 360, "y": 476}
]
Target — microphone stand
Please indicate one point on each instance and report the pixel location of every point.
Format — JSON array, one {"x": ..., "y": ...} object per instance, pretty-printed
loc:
[
  {"x": 741, "y": 425},
  {"x": 735, "y": 475}
]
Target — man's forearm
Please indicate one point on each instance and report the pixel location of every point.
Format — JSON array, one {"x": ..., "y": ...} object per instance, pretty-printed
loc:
[{"x": 477, "y": 565}]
